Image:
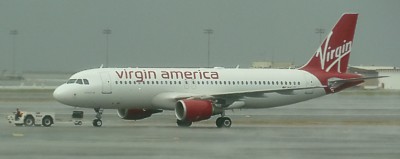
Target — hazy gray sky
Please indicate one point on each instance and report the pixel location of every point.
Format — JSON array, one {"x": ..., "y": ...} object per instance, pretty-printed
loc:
[{"x": 61, "y": 35}]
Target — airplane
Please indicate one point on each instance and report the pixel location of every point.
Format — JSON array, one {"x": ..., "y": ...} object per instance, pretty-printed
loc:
[{"x": 196, "y": 94}]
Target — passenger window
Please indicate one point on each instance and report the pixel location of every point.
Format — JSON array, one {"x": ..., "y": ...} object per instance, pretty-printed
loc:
[
  {"x": 79, "y": 81},
  {"x": 85, "y": 81}
]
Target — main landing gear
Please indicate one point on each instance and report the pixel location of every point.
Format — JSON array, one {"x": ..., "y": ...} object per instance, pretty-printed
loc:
[
  {"x": 97, "y": 122},
  {"x": 223, "y": 122}
]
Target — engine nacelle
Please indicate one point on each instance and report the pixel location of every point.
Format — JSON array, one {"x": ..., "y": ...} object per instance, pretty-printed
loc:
[
  {"x": 194, "y": 110},
  {"x": 136, "y": 114}
]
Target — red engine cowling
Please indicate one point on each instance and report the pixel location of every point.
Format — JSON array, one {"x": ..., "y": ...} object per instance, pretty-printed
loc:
[
  {"x": 136, "y": 114},
  {"x": 193, "y": 110}
]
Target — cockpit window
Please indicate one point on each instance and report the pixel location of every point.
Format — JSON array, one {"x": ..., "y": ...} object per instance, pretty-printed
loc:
[
  {"x": 71, "y": 81},
  {"x": 85, "y": 81},
  {"x": 79, "y": 81}
]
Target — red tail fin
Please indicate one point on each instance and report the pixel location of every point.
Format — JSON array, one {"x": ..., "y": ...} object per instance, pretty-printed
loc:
[{"x": 334, "y": 53}]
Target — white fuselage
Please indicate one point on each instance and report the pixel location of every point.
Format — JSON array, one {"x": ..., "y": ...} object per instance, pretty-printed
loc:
[{"x": 150, "y": 88}]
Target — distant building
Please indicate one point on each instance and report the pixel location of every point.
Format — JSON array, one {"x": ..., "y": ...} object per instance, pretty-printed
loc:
[
  {"x": 272, "y": 64},
  {"x": 391, "y": 82}
]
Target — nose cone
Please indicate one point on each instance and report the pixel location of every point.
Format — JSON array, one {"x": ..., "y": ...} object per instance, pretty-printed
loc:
[{"x": 61, "y": 95}]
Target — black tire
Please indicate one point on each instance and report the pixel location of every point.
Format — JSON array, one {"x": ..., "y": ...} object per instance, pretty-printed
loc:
[
  {"x": 219, "y": 122},
  {"x": 226, "y": 122},
  {"x": 182, "y": 123},
  {"x": 223, "y": 122},
  {"x": 47, "y": 121},
  {"x": 97, "y": 123},
  {"x": 29, "y": 121}
]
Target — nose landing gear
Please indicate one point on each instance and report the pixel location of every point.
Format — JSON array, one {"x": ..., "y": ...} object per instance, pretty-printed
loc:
[{"x": 97, "y": 122}]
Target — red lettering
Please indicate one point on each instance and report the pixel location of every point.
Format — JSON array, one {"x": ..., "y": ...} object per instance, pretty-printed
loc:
[
  {"x": 188, "y": 75},
  {"x": 120, "y": 75},
  {"x": 205, "y": 75},
  {"x": 214, "y": 75},
  {"x": 164, "y": 74}
]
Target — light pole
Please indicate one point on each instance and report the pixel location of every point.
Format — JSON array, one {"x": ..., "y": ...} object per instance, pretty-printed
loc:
[
  {"x": 208, "y": 32},
  {"x": 320, "y": 31},
  {"x": 107, "y": 32},
  {"x": 14, "y": 34}
]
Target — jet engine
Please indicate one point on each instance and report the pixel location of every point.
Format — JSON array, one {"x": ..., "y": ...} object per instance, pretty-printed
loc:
[
  {"x": 136, "y": 114},
  {"x": 194, "y": 110}
]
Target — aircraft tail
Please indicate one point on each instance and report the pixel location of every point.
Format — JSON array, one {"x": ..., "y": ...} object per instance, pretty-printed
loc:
[{"x": 333, "y": 54}]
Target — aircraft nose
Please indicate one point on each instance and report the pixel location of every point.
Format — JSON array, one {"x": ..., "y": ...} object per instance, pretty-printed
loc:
[{"x": 61, "y": 95}]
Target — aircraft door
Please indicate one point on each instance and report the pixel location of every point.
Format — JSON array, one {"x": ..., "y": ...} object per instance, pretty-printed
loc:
[
  {"x": 309, "y": 83},
  {"x": 106, "y": 83}
]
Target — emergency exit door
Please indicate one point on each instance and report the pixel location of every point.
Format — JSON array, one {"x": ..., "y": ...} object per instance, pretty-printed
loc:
[{"x": 106, "y": 83}]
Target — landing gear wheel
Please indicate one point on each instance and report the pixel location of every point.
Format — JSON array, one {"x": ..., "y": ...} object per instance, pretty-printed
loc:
[
  {"x": 29, "y": 121},
  {"x": 97, "y": 123},
  {"x": 47, "y": 121},
  {"x": 182, "y": 123},
  {"x": 223, "y": 122}
]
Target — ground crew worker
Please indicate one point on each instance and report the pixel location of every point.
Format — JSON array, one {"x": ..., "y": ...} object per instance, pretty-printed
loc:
[{"x": 18, "y": 114}]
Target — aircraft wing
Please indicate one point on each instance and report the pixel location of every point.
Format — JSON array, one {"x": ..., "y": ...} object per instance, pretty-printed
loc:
[
  {"x": 356, "y": 79},
  {"x": 335, "y": 83},
  {"x": 168, "y": 100},
  {"x": 283, "y": 90}
]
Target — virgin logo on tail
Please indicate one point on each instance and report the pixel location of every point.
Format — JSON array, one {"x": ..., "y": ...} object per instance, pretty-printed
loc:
[
  {"x": 334, "y": 53},
  {"x": 328, "y": 54}
]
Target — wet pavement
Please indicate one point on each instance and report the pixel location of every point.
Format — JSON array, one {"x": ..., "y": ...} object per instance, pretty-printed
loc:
[{"x": 337, "y": 126}]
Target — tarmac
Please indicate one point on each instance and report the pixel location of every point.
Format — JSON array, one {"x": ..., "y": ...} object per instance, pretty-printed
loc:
[{"x": 345, "y": 125}]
